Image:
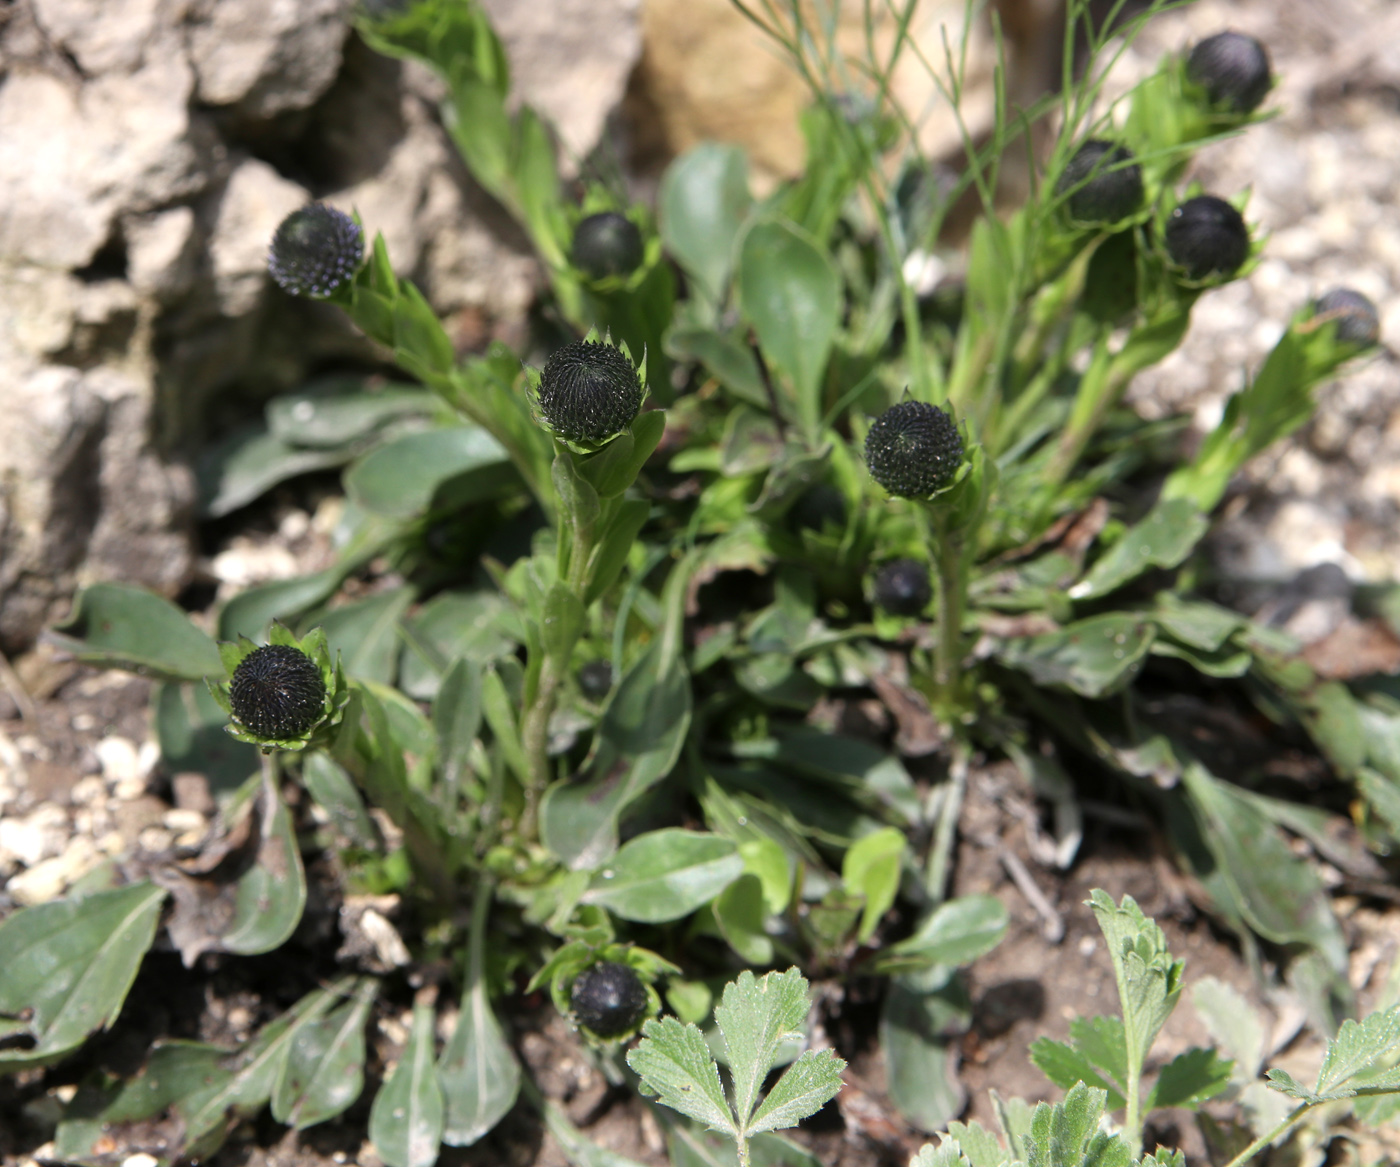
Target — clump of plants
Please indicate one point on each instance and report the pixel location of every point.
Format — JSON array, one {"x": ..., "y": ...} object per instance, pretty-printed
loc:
[{"x": 590, "y": 709}]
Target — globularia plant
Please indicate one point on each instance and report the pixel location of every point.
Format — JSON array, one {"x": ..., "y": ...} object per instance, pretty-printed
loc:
[{"x": 615, "y": 593}]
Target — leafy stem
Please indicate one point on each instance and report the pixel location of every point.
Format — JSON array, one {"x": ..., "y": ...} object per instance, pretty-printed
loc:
[{"x": 946, "y": 545}]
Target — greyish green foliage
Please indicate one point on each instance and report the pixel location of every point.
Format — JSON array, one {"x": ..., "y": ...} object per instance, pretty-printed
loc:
[{"x": 707, "y": 536}]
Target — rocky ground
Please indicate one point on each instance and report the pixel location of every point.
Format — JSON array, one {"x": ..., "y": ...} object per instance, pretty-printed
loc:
[{"x": 81, "y": 780}]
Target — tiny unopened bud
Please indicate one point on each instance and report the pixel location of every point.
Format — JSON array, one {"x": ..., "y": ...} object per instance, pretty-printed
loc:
[
  {"x": 902, "y": 587},
  {"x": 596, "y": 679},
  {"x": 1233, "y": 69},
  {"x": 277, "y": 692},
  {"x": 913, "y": 449},
  {"x": 315, "y": 250},
  {"x": 608, "y": 999},
  {"x": 1358, "y": 322},
  {"x": 607, "y": 244},
  {"x": 589, "y": 392},
  {"x": 1113, "y": 190},
  {"x": 1207, "y": 236}
]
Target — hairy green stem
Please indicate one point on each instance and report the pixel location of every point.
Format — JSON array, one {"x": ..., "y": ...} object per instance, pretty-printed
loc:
[{"x": 947, "y": 549}]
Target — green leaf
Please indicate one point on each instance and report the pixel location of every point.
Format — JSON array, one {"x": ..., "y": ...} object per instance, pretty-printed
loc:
[
  {"x": 704, "y": 198},
  {"x": 805, "y": 1087},
  {"x": 1279, "y": 894},
  {"x": 729, "y": 360},
  {"x": 1195, "y": 622},
  {"x": 365, "y": 635},
  {"x": 316, "y": 417},
  {"x": 1189, "y": 1079},
  {"x": 251, "y": 611},
  {"x": 189, "y": 725},
  {"x": 1068, "y": 1135},
  {"x": 616, "y": 546},
  {"x": 957, "y": 932},
  {"x": 674, "y": 1062},
  {"x": 1232, "y": 1022},
  {"x": 122, "y": 627},
  {"x": 479, "y": 1074},
  {"x": 919, "y": 1038},
  {"x": 792, "y": 294},
  {"x": 1149, "y": 980},
  {"x": 68, "y": 966},
  {"x": 615, "y": 467},
  {"x": 1103, "y": 1041},
  {"x": 638, "y": 741},
  {"x": 480, "y": 626},
  {"x": 1352, "y": 1056},
  {"x": 457, "y": 717},
  {"x": 443, "y": 467},
  {"x": 325, "y": 1066},
  {"x": 871, "y": 869},
  {"x": 327, "y": 781},
  {"x": 561, "y": 622},
  {"x": 665, "y": 875},
  {"x": 1284, "y": 1082},
  {"x": 1092, "y": 657},
  {"x": 1065, "y": 1066},
  {"x": 406, "y": 1120},
  {"x": 755, "y": 1017},
  {"x": 740, "y": 913},
  {"x": 1163, "y": 538},
  {"x": 979, "y": 1144},
  {"x": 249, "y": 464}
]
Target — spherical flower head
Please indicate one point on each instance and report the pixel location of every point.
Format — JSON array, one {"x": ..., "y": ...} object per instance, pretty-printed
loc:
[
  {"x": 315, "y": 250},
  {"x": 1113, "y": 192},
  {"x": 1233, "y": 69},
  {"x": 607, "y": 244},
  {"x": 913, "y": 449},
  {"x": 609, "y": 999},
  {"x": 902, "y": 587},
  {"x": 277, "y": 692},
  {"x": 589, "y": 392},
  {"x": 1358, "y": 322},
  {"x": 1206, "y": 236}
]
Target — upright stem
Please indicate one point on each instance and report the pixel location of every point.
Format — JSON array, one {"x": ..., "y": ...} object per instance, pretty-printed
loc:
[
  {"x": 1132, "y": 1123},
  {"x": 948, "y": 564}
]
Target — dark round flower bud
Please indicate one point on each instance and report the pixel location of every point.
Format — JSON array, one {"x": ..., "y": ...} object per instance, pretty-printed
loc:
[
  {"x": 902, "y": 587},
  {"x": 1207, "y": 236},
  {"x": 277, "y": 692},
  {"x": 608, "y": 999},
  {"x": 1113, "y": 192},
  {"x": 1358, "y": 322},
  {"x": 315, "y": 250},
  {"x": 822, "y": 504},
  {"x": 607, "y": 244},
  {"x": 1233, "y": 69},
  {"x": 913, "y": 449},
  {"x": 595, "y": 679},
  {"x": 589, "y": 392}
]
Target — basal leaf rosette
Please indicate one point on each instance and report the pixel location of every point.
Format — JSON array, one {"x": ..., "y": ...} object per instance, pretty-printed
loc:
[
  {"x": 588, "y": 392},
  {"x": 283, "y": 695}
]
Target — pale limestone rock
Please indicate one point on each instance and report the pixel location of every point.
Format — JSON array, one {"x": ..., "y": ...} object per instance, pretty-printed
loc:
[
  {"x": 253, "y": 203},
  {"x": 51, "y": 878},
  {"x": 267, "y": 56},
  {"x": 104, "y": 35},
  {"x": 570, "y": 60},
  {"x": 160, "y": 247}
]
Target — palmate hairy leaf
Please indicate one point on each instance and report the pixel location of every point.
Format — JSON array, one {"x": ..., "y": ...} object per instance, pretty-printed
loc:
[
  {"x": 947, "y": 1154},
  {"x": 674, "y": 1063},
  {"x": 808, "y": 1084},
  {"x": 1068, "y": 1135},
  {"x": 1190, "y": 1079},
  {"x": 756, "y": 1017},
  {"x": 978, "y": 1144},
  {"x": 1352, "y": 1055},
  {"x": 1064, "y": 1065}
]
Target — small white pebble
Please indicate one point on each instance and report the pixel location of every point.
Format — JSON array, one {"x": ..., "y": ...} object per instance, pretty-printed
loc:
[
  {"x": 141, "y": 1159},
  {"x": 112, "y": 844},
  {"x": 51, "y": 878},
  {"x": 183, "y": 820},
  {"x": 121, "y": 763},
  {"x": 89, "y": 791},
  {"x": 84, "y": 722},
  {"x": 155, "y": 839},
  {"x": 147, "y": 757}
]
